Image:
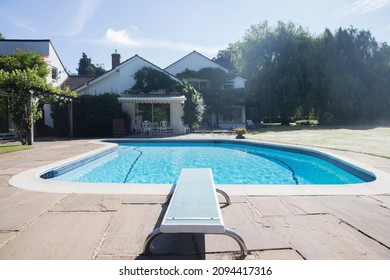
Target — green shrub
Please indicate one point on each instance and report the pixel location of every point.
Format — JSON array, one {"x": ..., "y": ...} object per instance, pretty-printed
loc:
[{"x": 92, "y": 116}]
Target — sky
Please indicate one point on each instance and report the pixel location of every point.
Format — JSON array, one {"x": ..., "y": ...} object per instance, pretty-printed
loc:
[{"x": 163, "y": 31}]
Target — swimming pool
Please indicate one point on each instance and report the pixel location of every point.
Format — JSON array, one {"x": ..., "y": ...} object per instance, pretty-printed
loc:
[
  {"x": 375, "y": 181},
  {"x": 232, "y": 163}
]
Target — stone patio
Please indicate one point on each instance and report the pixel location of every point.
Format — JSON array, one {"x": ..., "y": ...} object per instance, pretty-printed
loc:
[{"x": 36, "y": 225}]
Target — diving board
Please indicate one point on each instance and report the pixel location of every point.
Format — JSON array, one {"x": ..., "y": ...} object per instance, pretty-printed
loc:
[{"x": 194, "y": 208}]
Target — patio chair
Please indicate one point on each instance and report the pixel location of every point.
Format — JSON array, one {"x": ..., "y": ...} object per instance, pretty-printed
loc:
[
  {"x": 250, "y": 124},
  {"x": 137, "y": 128},
  {"x": 146, "y": 128},
  {"x": 194, "y": 208},
  {"x": 163, "y": 128}
]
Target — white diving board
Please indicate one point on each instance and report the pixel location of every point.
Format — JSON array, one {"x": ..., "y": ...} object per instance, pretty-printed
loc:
[{"x": 194, "y": 208}]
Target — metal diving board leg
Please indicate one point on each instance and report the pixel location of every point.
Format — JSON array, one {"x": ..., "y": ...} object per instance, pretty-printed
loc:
[
  {"x": 225, "y": 195},
  {"x": 240, "y": 241},
  {"x": 149, "y": 240},
  {"x": 228, "y": 232}
]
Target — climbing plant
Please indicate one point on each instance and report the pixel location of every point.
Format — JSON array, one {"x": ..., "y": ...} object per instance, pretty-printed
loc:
[
  {"x": 194, "y": 106},
  {"x": 217, "y": 77},
  {"x": 22, "y": 77},
  {"x": 148, "y": 79}
]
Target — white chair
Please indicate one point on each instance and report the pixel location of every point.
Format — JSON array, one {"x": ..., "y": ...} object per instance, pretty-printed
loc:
[
  {"x": 146, "y": 128},
  {"x": 250, "y": 124},
  {"x": 137, "y": 128},
  {"x": 163, "y": 128}
]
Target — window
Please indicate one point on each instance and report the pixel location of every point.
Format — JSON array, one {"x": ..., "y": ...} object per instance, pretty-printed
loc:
[
  {"x": 228, "y": 85},
  {"x": 154, "y": 113},
  {"x": 54, "y": 73},
  {"x": 233, "y": 115},
  {"x": 198, "y": 85}
]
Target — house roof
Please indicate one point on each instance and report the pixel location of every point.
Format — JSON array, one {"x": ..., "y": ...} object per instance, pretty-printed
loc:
[
  {"x": 195, "y": 53},
  {"x": 35, "y": 41},
  {"x": 123, "y": 64},
  {"x": 75, "y": 81}
]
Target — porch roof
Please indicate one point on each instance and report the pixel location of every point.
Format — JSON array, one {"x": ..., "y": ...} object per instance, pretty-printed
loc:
[{"x": 176, "y": 99}]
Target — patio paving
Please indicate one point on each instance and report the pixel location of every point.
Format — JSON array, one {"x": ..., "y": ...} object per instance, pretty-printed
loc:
[{"x": 35, "y": 225}]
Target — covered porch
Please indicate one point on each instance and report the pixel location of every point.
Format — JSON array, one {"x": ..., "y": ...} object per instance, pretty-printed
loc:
[{"x": 154, "y": 114}]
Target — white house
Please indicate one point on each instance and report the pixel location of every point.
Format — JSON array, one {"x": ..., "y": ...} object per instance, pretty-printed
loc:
[
  {"x": 195, "y": 61},
  {"x": 120, "y": 79},
  {"x": 57, "y": 76}
]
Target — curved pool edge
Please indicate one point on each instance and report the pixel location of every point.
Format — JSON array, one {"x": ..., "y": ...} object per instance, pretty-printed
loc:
[{"x": 31, "y": 179}]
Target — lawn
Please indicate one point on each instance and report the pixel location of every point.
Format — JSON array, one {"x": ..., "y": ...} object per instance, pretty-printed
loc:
[
  {"x": 12, "y": 148},
  {"x": 373, "y": 140}
]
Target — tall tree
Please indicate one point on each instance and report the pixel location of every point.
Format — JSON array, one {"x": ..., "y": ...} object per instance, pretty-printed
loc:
[
  {"x": 87, "y": 68},
  {"x": 273, "y": 59},
  {"x": 224, "y": 58},
  {"x": 340, "y": 77}
]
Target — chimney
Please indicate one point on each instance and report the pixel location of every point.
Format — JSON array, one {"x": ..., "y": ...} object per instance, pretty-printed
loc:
[{"x": 116, "y": 59}]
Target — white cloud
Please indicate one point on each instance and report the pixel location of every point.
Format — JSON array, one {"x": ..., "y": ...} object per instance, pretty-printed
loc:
[
  {"x": 127, "y": 38},
  {"x": 84, "y": 12},
  {"x": 361, "y": 7},
  {"x": 121, "y": 38}
]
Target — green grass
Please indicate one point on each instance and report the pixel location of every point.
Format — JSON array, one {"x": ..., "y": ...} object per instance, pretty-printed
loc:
[
  {"x": 12, "y": 148},
  {"x": 372, "y": 140}
]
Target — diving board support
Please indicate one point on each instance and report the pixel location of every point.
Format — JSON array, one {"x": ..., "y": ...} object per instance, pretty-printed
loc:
[
  {"x": 194, "y": 208},
  {"x": 228, "y": 232}
]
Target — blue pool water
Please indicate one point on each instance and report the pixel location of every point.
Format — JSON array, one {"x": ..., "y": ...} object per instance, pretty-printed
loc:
[{"x": 231, "y": 163}]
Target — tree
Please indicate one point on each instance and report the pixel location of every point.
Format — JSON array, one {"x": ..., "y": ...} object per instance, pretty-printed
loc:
[
  {"x": 336, "y": 77},
  {"x": 216, "y": 98},
  {"x": 224, "y": 58},
  {"x": 273, "y": 60},
  {"x": 22, "y": 78},
  {"x": 87, "y": 68},
  {"x": 1, "y": 36}
]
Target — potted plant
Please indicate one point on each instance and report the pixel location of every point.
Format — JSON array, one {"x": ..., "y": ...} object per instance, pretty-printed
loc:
[{"x": 240, "y": 131}]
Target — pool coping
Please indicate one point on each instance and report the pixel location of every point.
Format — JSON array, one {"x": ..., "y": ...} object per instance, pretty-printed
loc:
[{"x": 31, "y": 179}]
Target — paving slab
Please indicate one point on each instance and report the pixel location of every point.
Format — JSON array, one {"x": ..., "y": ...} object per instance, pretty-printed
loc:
[
  {"x": 45, "y": 239},
  {"x": 5, "y": 237},
  {"x": 285, "y": 254},
  {"x": 129, "y": 228},
  {"x": 366, "y": 215},
  {"x": 6, "y": 192},
  {"x": 4, "y": 180},
  {"x": 285, "y": 205},
  {"x": 382, "y": 200},
  {"x": 89, "y": 203},
  {"x": 275, "y": 255},
  {"x": 143, "y": 199},
  {"x": 256, "y": 231},
  {"x": 22, "y": 208},
  {"x": 323, "y": 237}
]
